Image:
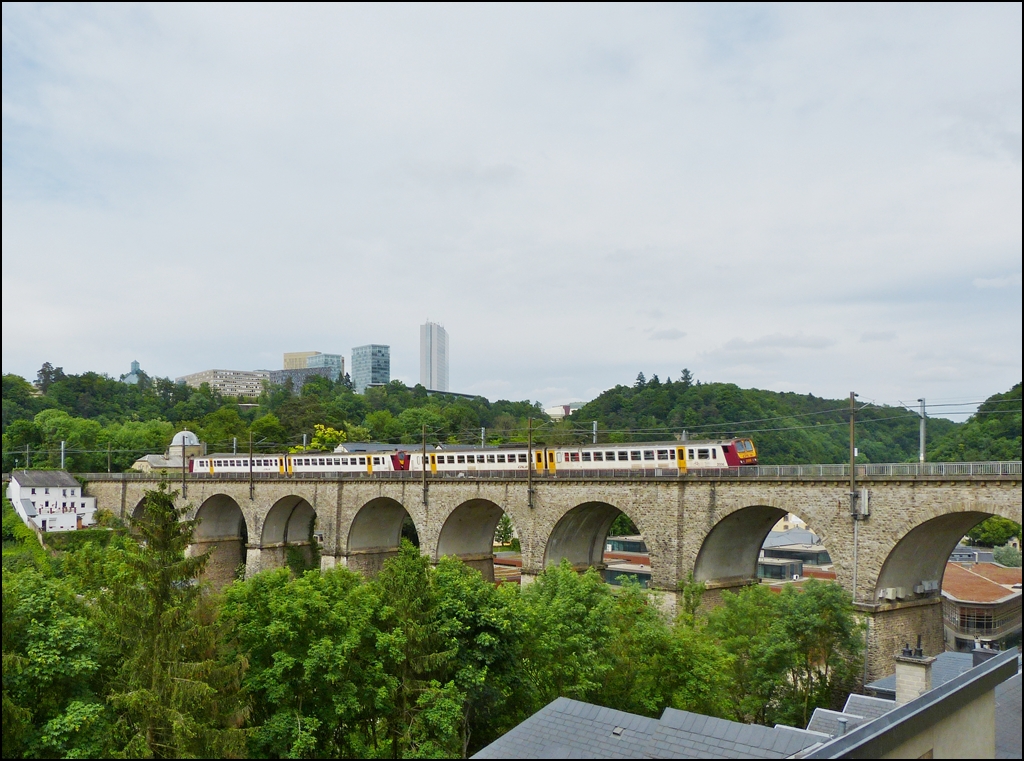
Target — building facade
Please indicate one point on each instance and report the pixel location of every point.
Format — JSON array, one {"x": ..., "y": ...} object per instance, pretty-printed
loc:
[
  {"x": 184, "y": 446},
  {"x": 229, "y": 382},
  {"x": 371, "y": 366},
  {"x": 434, "y": 357},
  {"x": 297, "y": 360},
  {"x": 333, "y": 362},
  {"x": 50, "y": 500},
  {"x": 300, "y": 376}
]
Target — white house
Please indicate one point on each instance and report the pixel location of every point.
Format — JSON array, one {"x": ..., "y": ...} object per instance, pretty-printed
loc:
[{"x": 51, "y": 500}]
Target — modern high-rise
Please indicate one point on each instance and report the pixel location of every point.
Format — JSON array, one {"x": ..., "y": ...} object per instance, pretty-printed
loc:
[
  {"x": 434, "y": 357},
  {"x": 297, "y": 360},
  {"x": 305, "y": 360},
  {"x": 371, "y": 366}
]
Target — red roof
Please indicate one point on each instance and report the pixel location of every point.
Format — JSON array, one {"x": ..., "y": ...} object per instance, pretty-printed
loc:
[{"x": 972, "y": 585}]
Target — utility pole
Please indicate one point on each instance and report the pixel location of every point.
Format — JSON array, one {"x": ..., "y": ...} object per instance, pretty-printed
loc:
[
  {"x": 63, "y": 446},
  {"x": 425, "y": 464},
  {"x": 234, "y": 443},
  {"x": 28, "y": 459},
  {"x": 529, "y": 467},
  {"x": 108, "y": 457},
  {"x": 853, "y": 485},
  {"x": 252, "y": 486},
  {"x": 924, "y": 417},
  {"x": 595, "y": 431},
  {"x": 184, "y": 486},
  {"x": 483, "y": 437}
]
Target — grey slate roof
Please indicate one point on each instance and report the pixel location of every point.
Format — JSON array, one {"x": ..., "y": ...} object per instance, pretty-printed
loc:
[
  {"x": 1008, "y": 728},
  {"x": 28, "y": 507},
  {"x": 792, "y": 536},
  {"x": 868, "y": 707},
  {"x": 827, "y": 722},
  {"x": 570, "y": 729},
  {"x": 44, "y": 478},
  {"x": 947, "y": 666}
]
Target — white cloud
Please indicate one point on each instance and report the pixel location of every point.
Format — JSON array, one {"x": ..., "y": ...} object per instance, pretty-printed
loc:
[{"x": 213, "y": 186}]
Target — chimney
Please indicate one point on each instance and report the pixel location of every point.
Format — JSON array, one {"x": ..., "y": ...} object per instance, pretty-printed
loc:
[
  {"x": 913, "y": 673},
  {"x": 981, "y": 654}
]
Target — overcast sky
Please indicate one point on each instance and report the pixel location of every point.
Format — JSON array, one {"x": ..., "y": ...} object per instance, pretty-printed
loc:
[{"x": 810, "y": 199}]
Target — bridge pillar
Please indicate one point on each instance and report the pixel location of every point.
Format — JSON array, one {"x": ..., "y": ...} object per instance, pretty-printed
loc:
[
  {"x": 327, "y": 562},
  {"x": 892, "y": 625},
  {"x": 252, "y": 561},
  {"x": 483, "y": 562},
  {"x": 227, "y": 553},
  {"x": 712, "y": 597},
  {"x": 369, "y": 561}
]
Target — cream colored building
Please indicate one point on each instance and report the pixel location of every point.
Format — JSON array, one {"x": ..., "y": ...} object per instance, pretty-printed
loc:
[
  {"x": 229, "y": 382},
  {"x": 185, "y": 444},
  {"x": 297, "y": 360}
]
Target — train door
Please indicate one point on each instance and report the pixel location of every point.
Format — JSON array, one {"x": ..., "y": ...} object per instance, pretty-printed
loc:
[
  {"x": 551, "y": 459},
  {"x": 433, "y": 463},
  {"x": 681, "y": 459}
]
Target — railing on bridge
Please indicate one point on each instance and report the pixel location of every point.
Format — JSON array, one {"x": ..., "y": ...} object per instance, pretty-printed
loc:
[{"x": 752, "y": 472}]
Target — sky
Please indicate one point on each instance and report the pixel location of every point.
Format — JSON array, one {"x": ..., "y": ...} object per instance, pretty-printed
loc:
[{"x": 798, "y": 198}]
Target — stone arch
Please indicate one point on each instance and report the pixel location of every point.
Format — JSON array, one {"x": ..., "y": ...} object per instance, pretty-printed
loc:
[
  {"x": 917, "y": 563},
  {"x": 375, "y": 534},
  {"x": 288, "y": 524},
  {"x": 468, "y": 533},
  {"x": 222, "y": 531},
  {"x": 729, "y": 552},
  {"x": 579, "y": 536}
]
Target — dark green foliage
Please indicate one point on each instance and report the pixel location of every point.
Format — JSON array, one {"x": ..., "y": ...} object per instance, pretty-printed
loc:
[
  {"x": 786, "y": 427},
  {"x": 994, "y": 532},
  {"x": 1008, "y": 556},
  {"x": 170, "y": 693},
  {"x": 623, "y": 526},
  {"x": 993, "y": 433}
]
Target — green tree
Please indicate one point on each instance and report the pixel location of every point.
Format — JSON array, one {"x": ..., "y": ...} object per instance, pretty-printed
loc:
[
  {"x": 423, "y": 714},
  {"x": 568, "y": 627},
  {"x": 314, "y": 673},
  {"x": 503, "y": 532},
  {"x": 170, "y": 695},
  {"x": 994, "y": 532},
  {"x": 483, "y": 625},
  {"x": 1008, "y": 556},
  {"x": 268, "y": 432}
]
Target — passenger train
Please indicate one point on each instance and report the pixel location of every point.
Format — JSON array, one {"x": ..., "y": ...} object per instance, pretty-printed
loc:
[{"x": 665, "y": 458}]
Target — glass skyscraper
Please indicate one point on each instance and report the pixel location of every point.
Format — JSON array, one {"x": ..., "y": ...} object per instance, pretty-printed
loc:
[
  {"x": 434, "y": 357},
  {"x": 371, "y": 366}
]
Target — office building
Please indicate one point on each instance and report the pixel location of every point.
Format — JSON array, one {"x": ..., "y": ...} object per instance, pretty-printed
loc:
[
  {"x": 371, "y": 366},
  {"x": 297, "y": 360},
  {"x": 229, "y": 382},
  {"x": 434, "y": 357}
]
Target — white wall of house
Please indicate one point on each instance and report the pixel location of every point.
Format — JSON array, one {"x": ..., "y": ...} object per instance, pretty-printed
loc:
[{"x": 57, "y": 508}]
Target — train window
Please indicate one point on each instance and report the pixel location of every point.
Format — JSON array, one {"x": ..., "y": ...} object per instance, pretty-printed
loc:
[
  {"x": 362, "y": 460},
  {"x": 523, "y": 458},
  {"x": 671, "y": 454},
  {"x": 574, "y": 456},
  {"x": 490, "y": 458},
  {"x": 703, "y": 454},
  {"x": 634, "y": 455},
  {"x": 691, "y": 454},
  {"x": 501, "y": 458},
  {"x": 662, "y": 454},
  {"x": 623, "y": 454},
  {"x": 598, "y": 456},
  {"x": 451, "y": 459},
  {"x": 320, "y": 461},
  {"x": 714, "y": 454},
  {"x": 462, "y": 458},
  {"x": 586, "y": 457},
  {"x": 648, "y": 454}
]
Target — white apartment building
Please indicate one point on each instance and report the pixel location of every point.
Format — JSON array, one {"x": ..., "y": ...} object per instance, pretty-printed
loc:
[
  {"x": 229, "y": 382},
  {"x": 434, "y": 357},
  {"x": 50, "y": 500}
]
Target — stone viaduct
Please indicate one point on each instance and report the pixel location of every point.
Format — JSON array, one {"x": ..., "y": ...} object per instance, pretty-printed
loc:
[{"x": 892, "y": 561}]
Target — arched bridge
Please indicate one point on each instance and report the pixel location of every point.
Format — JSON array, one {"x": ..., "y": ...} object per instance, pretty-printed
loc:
[{"x": 711, "y": 525}]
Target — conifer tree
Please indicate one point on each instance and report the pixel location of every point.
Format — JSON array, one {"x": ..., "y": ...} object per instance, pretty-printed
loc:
[{"x": 170, "y": 695}]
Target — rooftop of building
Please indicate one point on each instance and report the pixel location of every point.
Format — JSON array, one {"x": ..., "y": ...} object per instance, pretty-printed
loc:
[
  {"x": 792, "y": 536},
  {"x": 44, "y": 478},
  {"x": 981, "y": 582}
]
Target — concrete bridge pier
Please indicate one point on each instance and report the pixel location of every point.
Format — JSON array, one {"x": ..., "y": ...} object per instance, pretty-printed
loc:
[{"x": 891, "y": 626}]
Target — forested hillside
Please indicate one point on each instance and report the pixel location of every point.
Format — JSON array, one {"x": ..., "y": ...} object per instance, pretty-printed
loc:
[
  {"x": 104, "y": 421},
  {"x": 787, "y": 427}
]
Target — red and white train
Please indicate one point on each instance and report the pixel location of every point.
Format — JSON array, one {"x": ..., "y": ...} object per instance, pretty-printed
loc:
[{"x": 672, "y": 457}]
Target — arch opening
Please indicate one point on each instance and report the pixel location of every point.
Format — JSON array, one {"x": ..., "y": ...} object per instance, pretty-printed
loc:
[
  {"x": 584, "y": 536},
  {"x": 288, "y": 534},
  {"x": 760, "y": 543},
  {"x": 222, "y": 531},
  {"x": 470, "y": 533},
  {"x": 376, "y": 534}
]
